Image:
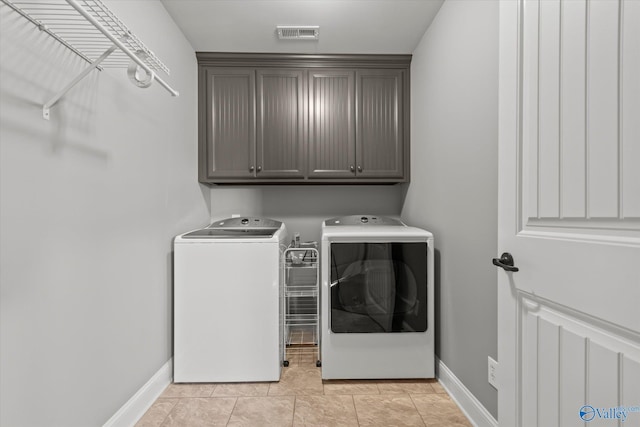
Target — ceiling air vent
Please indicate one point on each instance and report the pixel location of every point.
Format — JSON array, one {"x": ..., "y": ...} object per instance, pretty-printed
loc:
[{"x": 297, "y": 32}]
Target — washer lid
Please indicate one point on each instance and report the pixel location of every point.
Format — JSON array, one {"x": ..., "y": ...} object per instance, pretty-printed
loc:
[
  {"x": 213, "y": 233},
  {"x": 362, "y": 220},
  {"x": 237, "y": 228}
]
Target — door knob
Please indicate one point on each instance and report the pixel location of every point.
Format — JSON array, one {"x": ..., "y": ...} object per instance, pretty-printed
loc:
[{"x": 505, "y": 261}]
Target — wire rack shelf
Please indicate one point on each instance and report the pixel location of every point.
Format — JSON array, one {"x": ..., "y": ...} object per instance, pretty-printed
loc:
[{"x": 92, "y": 31}]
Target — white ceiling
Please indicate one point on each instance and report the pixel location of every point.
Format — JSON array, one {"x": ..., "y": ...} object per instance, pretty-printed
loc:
[{"x": 346, "y": 26}]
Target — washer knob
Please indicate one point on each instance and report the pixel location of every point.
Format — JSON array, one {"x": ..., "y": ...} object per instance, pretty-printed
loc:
[{"x": 364, "y": 220}]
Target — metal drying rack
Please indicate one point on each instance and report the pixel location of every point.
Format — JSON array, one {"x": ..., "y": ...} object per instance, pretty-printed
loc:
[
  {"x": 93, "y": 32},
  {"x": 301, "y": 302}
]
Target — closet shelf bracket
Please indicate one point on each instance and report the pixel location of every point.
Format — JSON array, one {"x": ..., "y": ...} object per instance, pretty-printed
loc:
[
  {"x": 96, "y": 34},
  {"x": 47, "y": 106}
]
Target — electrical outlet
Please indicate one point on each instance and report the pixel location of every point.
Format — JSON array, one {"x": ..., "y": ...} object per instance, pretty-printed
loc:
[{"x": 492, "y": 368}]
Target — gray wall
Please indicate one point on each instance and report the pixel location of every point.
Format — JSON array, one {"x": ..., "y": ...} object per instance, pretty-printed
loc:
[
  {"x": 89, "y": 203},
  {"x": 303, "y": 208},
  {"x": 453, "y": 190}
]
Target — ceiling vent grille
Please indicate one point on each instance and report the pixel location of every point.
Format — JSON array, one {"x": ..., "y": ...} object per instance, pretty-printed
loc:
[{"x": 291, "y": 32}]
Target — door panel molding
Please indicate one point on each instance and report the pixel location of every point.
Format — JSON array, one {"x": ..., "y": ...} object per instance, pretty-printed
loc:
[
  {"x": 568, "y": 359},
  {"x": 578, "y": 138}
]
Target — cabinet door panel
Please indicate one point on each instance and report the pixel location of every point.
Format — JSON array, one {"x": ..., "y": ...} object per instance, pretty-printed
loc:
[
  {"x": 331, "y": 124},
  {"x": 280, "y": 123},
  {"x": 229, "y": 140},
  {"x": 379, "y": 135}
]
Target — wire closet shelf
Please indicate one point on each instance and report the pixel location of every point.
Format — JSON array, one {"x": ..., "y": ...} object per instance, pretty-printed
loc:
[{"x": 92, "y": 31}]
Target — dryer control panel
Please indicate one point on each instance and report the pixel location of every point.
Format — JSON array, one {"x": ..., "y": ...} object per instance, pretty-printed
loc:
[{"x": 362, "y": 220}]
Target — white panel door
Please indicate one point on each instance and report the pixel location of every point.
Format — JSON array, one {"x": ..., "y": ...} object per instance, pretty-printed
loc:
[{"x": 569, "y": 319}]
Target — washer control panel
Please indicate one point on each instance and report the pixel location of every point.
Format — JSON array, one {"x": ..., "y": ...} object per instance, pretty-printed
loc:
[{"x": 245, "y": 222}]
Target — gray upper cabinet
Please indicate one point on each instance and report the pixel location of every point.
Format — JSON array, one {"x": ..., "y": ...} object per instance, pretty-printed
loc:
[
  {"x": 292, "y": 118},
  {"x": 332, "y": 137},
  {"x": 226, "y": 130},
  {"x": 356, "y": 127},
  {"x": 380, "y": 127},
  {"x": 280, "y": 123}
]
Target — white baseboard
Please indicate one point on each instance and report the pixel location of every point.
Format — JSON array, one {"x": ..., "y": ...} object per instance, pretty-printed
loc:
[
  {"x": 134, "y": 409},
  {"x": 472, "y": 408}
]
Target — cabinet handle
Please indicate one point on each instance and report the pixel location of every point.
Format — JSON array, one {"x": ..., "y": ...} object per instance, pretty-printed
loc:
[
  {"x": 259, "y": 168},
  {"x": 250, "y": 168},
  {"x": 359, "y": 168},
  {"x": 352, "y": 168}
]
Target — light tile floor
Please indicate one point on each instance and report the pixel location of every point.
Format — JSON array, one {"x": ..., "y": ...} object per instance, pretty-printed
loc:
[{"x": 302, "y": 398}]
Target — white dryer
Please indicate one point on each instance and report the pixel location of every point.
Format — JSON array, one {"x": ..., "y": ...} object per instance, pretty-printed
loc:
[
  {"x": 227, "y": 301},
  {"x": 376, "y": 299}
]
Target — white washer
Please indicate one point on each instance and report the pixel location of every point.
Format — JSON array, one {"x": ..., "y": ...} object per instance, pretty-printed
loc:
[
  {"x": 226, "y": 302},
  {"x": 376, "y": 299}
]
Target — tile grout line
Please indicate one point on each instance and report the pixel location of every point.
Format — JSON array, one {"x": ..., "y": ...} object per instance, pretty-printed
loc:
[
  {"x": 355, "y": 408},
  {"x": 166, "y": 417},
  {"x": 293, "y": 414},
  {"x": 416, "y": 408},
  {"x": 232, "y": 409},
  {"x": 213, "y": 390}
]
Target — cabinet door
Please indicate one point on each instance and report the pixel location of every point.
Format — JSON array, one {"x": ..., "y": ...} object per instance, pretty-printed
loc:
[
  {"x": 331, "y": 124},
  {"x": 380, "y": 124},
  {"x": 280, "y": 123},
  {"x": 227, "y": 139}
]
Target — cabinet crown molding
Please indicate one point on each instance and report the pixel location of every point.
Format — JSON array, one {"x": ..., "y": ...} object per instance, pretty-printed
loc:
[{"x": 265, "y": 60}]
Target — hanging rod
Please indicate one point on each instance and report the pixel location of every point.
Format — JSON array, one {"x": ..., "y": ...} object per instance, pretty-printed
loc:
[{"x": 93, "y": 32}]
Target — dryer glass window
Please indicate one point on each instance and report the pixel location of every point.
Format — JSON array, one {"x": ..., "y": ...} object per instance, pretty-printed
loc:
[{"x": 378, "y": 287}]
